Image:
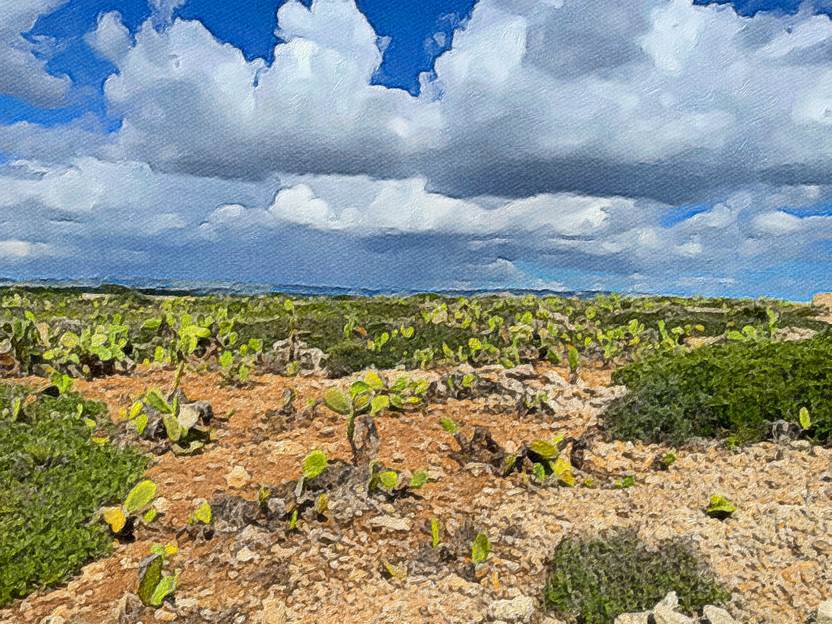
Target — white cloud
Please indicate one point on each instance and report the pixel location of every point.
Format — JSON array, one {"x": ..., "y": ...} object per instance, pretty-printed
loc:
[
  {"x": 554, "y": 132},
  {"x": 365, "y": 208},
  {"x": 22, "y": 74},
  {"x": 658, "y": 98},
  {"x": 193, "y": 104},
  {"x": 18, "y": 250},
  {"x": 163, "y": 10},
  {"x": 110, "y": 39}
]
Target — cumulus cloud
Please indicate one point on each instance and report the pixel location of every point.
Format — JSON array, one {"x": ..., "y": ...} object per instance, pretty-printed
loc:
[
  {"x": 163, "y": 10},
  {"x": 554, "y": 138},
  {"x": 365, "y": 207},
  {"x": 647, "y": 98},
  {"x": 193, "y": 105},
  {"x": 11, "y": 250},
  {"x": 333, "y": 229},
  {"x": 23, "y": 73},
  {"x": 110, "y": 39}
]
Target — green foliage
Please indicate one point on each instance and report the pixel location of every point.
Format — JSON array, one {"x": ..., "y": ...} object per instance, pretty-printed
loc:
[
  {"x": 448, "y": 425},
  {"x": 435, "y": 533},
  {"x": 805, "y": 419},
  {"x": 738, "y": 388},
  {"x": 202, "y": 514},
  {"x": 154, "y": 585},
  {"x": 181, "y": 422},
  {"x": 54, "y": 480},
  {"x": 594, "y": 580},
  {"x": 418, "y": 479},
  {"x": 720, "y": 507},
  {"x": 140, "y": 497},
  {"x": 480, "y": 548},
  {"x": 314, "y": 464},
  {"x": 52, "y": 328},
  {"x": 667, "y": 460},
  {"x": 625, "y": 482}
]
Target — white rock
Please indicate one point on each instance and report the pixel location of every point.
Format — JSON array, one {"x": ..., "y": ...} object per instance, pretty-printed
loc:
[
  {"x": 274, "y": 612},
  {"x": 633, "y": 618},
  {"x": 238, "y": 477},
  {"x": 824, "y": 615},
  {"x": 245, "y": 554},
  {"x": 663, "y": 614},
  {"x": 520, "y": 609},
  {"x": 391, "y": 523},
  {"x": 715, "y": 615},
  {"x": 671, "y": 601}
]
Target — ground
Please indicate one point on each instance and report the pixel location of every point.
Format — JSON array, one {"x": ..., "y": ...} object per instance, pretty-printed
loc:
[{"x": 775, "y": 554}]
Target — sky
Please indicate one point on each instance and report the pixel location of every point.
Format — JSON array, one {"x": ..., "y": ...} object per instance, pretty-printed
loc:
[{"x": 669, "y": 146}]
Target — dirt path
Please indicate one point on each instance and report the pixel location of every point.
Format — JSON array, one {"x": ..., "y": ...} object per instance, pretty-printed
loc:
[{"x": 775, "y": 554}]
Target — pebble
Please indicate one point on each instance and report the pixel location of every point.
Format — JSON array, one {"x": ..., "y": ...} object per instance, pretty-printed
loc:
[
  {"x": 391, "y": 523},
  {"x": 238, "y": 477},
  {"x": 245, "y": 554},
  {"x": 273, "y": 611},
  {"x": 715, "y": 615},
  {"x": 824, "y": 615},
  {"x": 519, "y": 609}
]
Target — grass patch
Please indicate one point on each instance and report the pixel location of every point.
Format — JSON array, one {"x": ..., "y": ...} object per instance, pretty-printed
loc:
[
  {"x": 54, "y": 479},
  {"x": 731, "y": 389},
  {"x": 594, "y": 580}
]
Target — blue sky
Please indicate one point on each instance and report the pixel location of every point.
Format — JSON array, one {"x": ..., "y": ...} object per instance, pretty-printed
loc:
[{"x": 656, "y": 145}]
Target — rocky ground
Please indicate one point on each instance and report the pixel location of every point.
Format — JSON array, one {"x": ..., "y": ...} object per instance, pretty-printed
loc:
[{"x": 775, "y": 554}]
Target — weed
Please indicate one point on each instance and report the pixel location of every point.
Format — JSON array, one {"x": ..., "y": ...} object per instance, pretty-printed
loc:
[
  {"x": 54, "y": 480},
  {"x": 738, "y": 389},
  {"x": 594, "y": 580}
]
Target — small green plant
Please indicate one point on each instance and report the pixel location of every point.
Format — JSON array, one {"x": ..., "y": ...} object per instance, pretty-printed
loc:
[
  {"x": 666, "y": 460},
  {"x": 383, "y": 480},
  {"x": 625, "y": 482},
  {"x": 182, "y": 424},
  {"x": 574, "y": 360},
  {"x": 448, "y": 425},
  {"x": 435, "y": 533},
  {"x": 548, "y": 463},
  {"x": 62, "y": 382},
  {"x": 314, "y": 464},
  {"x": 804, "y": 419},
  {"x": 136, "y": 507},
  {"x": 236, "y": 366},
  {"x": 418, "y": 479},
  {"x": 203, "y": 514},
  {"x": 480, "y": 548},
  {"x": 720, "y": 507},
  {"x": 594, "y": 580},
  {"x": 154, "y": 585}
]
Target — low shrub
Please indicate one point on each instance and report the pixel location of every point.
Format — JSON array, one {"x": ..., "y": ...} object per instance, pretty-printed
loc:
[
  {"x": 736, "y": 389},
  {"x": 54, "y": 478},
  {"x": 594, "y": 580}
]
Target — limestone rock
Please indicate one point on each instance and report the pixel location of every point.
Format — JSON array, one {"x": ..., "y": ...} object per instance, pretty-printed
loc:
[
  {"x": 519, "y": 609},
  {"x": 715, "y": 615},
  {"x": 238, "y": 477},
  {"x": 391, "y": 523},
  {"x": 824, "y": 615}
]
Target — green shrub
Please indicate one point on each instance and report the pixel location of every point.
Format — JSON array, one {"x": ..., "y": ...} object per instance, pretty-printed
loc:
[
  {"x": 735, "y": 388},
  {"x": 53, "y": 480},
  {"x": 594, "y": 580}
]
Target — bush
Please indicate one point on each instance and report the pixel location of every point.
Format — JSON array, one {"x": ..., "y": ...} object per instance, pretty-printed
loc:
[
  {"x": 54, "y": 479},
  {"x": 734, "y": 388},
  {"x": 594, "y": 580}
]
